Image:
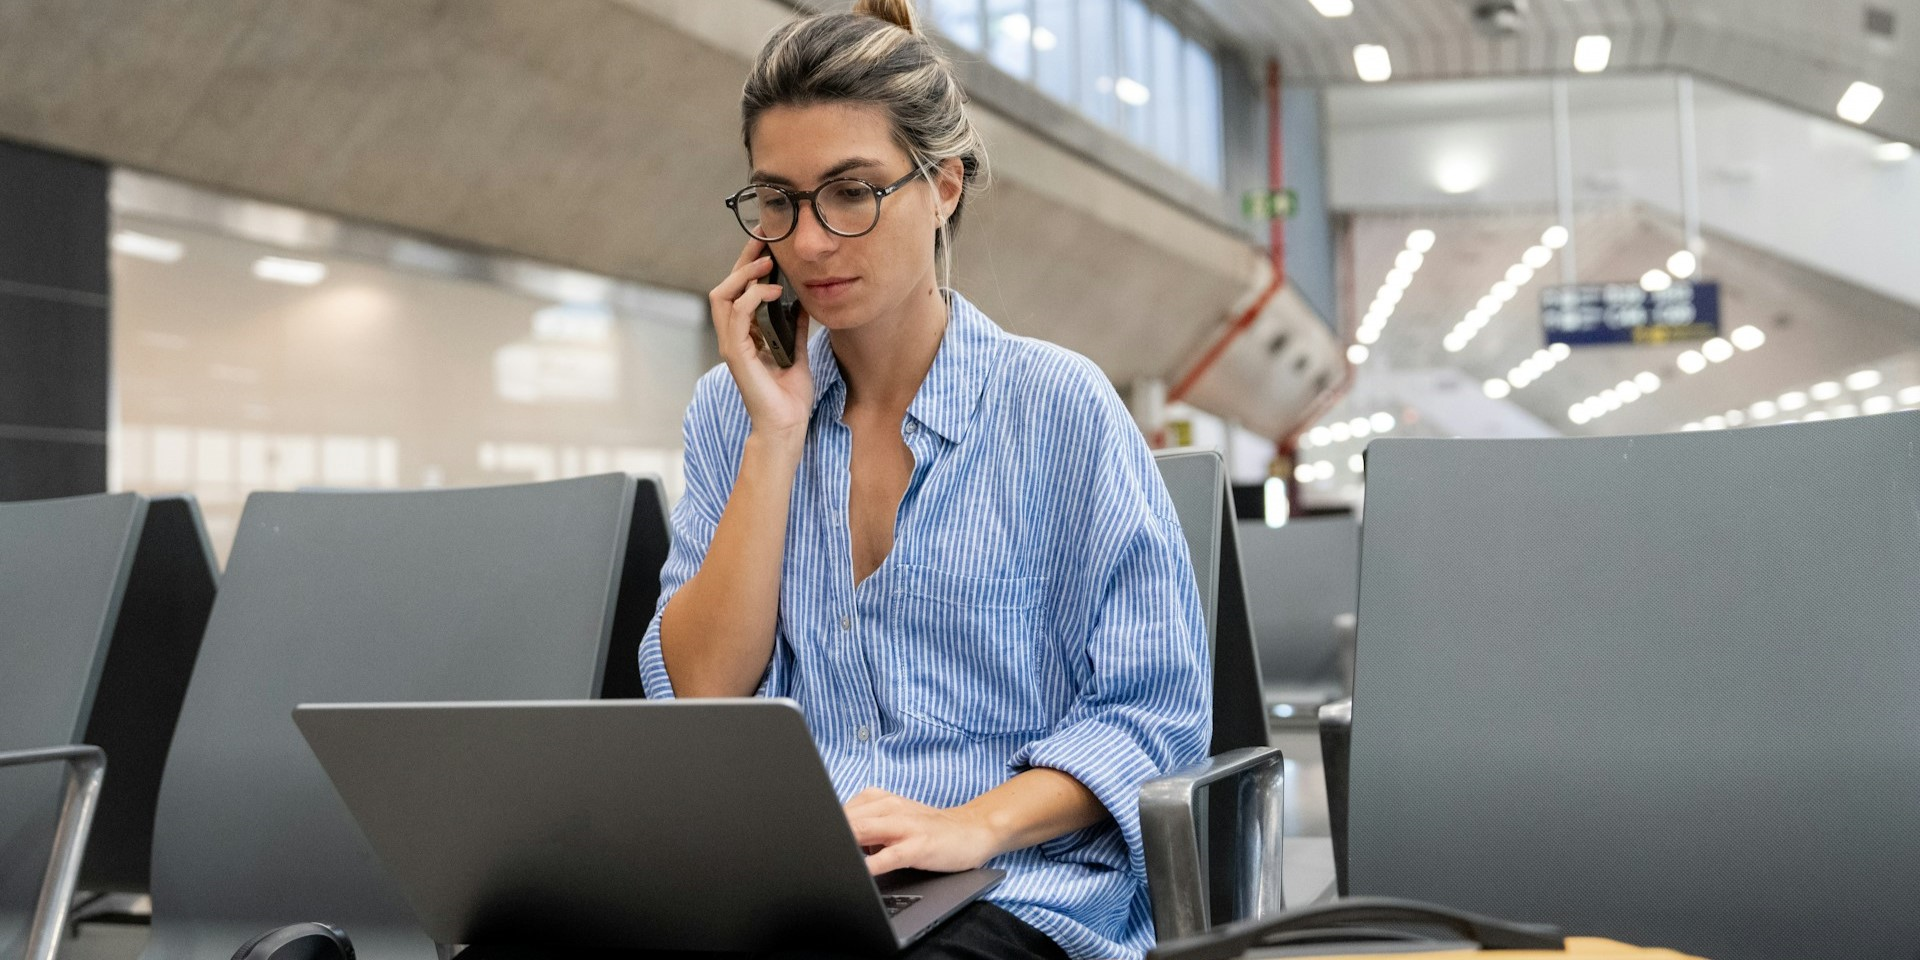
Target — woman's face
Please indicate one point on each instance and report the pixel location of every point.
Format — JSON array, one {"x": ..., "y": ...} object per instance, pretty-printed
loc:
[{"x": 802, "y": 147}]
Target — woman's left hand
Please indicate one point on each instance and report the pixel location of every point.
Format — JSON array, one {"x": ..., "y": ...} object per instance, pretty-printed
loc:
[{"x": 898, "y": 833}]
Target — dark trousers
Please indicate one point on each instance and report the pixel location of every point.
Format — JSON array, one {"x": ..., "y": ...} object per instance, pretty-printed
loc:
[{"x": 983, "y": 931}]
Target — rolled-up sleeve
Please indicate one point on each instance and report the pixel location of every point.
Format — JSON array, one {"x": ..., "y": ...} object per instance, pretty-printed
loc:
[{"x": 1146, "y": 709}]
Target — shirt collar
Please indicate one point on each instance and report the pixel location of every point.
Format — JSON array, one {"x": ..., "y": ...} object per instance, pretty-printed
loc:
[{"x": 951, "y": 391}]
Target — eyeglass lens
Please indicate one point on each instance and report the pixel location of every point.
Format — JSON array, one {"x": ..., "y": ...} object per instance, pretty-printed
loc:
[{"x": 849, "y": 207}]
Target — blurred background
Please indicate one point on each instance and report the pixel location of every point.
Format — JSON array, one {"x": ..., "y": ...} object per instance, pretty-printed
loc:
[{"x": 262, "y": 244}]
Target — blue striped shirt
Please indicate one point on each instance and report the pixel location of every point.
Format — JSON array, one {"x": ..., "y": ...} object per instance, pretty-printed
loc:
[{"x": 1038, "y": 608}]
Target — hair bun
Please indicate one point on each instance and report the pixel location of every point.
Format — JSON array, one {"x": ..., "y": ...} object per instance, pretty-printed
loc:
[{"x": 897, "y": 12}]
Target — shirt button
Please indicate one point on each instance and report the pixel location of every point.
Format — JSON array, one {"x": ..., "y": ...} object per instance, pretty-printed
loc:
[
  {"x": 912, "y": 428},
  {"x": 846, "y": 623},
  {"x": 862, "y": 734}
]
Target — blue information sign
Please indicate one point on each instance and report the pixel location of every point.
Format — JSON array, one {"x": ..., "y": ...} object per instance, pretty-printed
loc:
[{"x": 1601, "y": 313}]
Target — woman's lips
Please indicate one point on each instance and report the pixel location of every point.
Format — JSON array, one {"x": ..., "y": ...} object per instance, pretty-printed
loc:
[{"x": 829, "y": 292}]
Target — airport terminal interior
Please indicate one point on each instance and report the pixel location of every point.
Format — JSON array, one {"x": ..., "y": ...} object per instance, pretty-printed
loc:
[{"x": 1534, "y": 386}]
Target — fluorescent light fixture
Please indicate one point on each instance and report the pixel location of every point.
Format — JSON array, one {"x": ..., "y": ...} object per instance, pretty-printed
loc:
[
  {"x": 1341, "y": 432},
  {"x": 1409, "y": 260},
  {"x": 1505, "y": 291},
  {"x": 1399, "y": 279},
  {"x": 1367, "y": 335},
  {"x": 148, "y": 247},
  {"x": 1357, "y": 354},
  {"x": 1895, "y": 152},
  {"x": 1627, "y": 392},
  {"x": 1044, "y": 39},
  {"x": 1860, "y": 101},
  {"x": 1578, "y": 414},
  {"x": 1132, "y": 92},
  {"x": 1420, "y": 241},
  {"x": 1360, "y": 426},
  {"x": 1748, "y": 338},
  {"x": 1454, "y": 344},
  {"x": 1560, "y": 351},
  {"x": 1319, "y": 436},
  {"x": 1519, "y": 274},
  {"x": 1373, "y": 62},
  {"x": 1654, "y": 281},
  {"x": 1764, "y": 410},
  {"x": 1691, "y": 362},
  {"x": 1792, "y": 400},
  {"x": 1382, "y": 422},
  {"x": 300, "y": 273},
  {"x": 1389, "y": 296},
  {"x": 1876, "y": 405},
  {"x": 1717, "y": 350},
  {"x": 1490, "y": 305},
  {"x": 1822, "y": 392},
  {"x": 1555, "y": 238},
  {"x": 1683, "y": 264},
  {"x": 1544, "y": 356},
  {"x": 1591, "y": 53},
  {"x": 1648, "y": 382},
  {"x": 1333, "y": 8},
  {"x": 1864, "y": 380},
  {"x": 1537, "y": 257}
]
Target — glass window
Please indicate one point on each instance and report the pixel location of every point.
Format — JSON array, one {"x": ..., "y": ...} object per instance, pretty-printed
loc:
[
  {"x": 958, "y": 19},
  {"x": 1168, "y": 139},
  {"x": 1097, "y": 55},
  {"x": 1203, "y": 114},
  {"x": 1053, "y": 48},
  {"x": 1133, "y": 86},
  {"x": 1010, "y": 36}
]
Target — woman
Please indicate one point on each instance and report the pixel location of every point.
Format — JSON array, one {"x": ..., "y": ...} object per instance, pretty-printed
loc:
[{"x": 950, "y": 545}]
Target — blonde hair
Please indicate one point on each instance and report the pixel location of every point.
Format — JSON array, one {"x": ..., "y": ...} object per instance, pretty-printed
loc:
[{"x": 875, "y": 54}]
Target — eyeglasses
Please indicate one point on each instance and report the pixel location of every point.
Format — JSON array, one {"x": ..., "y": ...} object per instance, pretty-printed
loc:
[{"x": 847, "y": 206}]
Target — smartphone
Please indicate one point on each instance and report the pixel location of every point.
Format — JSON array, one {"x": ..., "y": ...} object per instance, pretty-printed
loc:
[{"x": 779, "y": 321}]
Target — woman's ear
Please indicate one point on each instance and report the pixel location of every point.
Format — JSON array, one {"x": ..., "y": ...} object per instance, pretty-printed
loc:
[{"x": 951, "y": 182}]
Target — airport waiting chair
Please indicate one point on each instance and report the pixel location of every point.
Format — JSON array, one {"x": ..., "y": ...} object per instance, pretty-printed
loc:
[
  {"x": 639, "y": 589},
  {"x": 1235, "y": 871},
  {"x": 1302, "y": 577},
  {"x": 64, "y": 566},
  {"x": 500, "y": 593},
  {"x": 1663, "y": 689}
]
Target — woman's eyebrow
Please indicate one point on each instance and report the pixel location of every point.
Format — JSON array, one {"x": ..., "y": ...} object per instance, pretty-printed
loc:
[{"x": 844, "y": 166}]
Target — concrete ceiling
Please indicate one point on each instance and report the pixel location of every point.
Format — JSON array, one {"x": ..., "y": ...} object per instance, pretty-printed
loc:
[
  {"x": 598, "y": 134},
  {"x": 1804, "y": 53}
]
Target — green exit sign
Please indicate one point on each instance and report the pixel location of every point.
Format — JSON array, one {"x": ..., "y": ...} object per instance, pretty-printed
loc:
[{"x": 1270, "y": 204}]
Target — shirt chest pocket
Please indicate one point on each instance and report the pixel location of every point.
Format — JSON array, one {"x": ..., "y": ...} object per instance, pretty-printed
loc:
[{"x": 971, "y": 655}]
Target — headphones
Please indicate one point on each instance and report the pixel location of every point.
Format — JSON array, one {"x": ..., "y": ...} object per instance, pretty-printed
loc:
[{"x": 299, "y": 941}]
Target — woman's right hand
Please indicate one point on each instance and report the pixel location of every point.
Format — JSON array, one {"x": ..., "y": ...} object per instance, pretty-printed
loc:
[{"x": 779, "y": 401}]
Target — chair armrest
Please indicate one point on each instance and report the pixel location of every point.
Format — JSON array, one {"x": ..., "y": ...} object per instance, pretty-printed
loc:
[
  {"x": 1169, "y": 827},
  {"x": 86, "y": 769},
  {"x": 1336, "y": 746}
]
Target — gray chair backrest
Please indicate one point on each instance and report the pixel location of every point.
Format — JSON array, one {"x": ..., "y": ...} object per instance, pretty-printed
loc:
[
  {"x": 1197, "y": 482},
  {"x": 1663, "y": 689},
  {"x": 1302, "y": 577},
  {"x": 156, "y": 641},
  {"x": 501, "y": 593},
  {"x": 63, "y": 573},
  {"x": 639, "y": 590}
]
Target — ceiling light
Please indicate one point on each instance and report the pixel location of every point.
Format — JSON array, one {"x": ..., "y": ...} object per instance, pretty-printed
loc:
[
  {"x": 1357, "y": 354},
  {"x": 1822, "y": 392},
  {"x": 1382, "y": 422},
  {"x": 1490, "y": 305},
  {"x": 301, "y": 273},
  {"x": 1555, "y": 237},
  {"x": 148, "y": 247},
  {"x": 1303, "y": 473},
  {"x": 1714, "y": 423},
  {"x": 1518, "y": 378},
  {"x": 1748, "y": 338},
  {"x": 1735, "y": 418},
  {"x": 1910, "y": 395},
  {"x": 1357, "y": 463},
  {"x": 1453, "y": 344},
  {"x": 1420, "y": 241},
  {"x": 1560, "y": 351},
  {"x": 1611, "y": 400},
  {"x": 1498, "y": 389},
  {"x": 1864, "y": 380},
  {"x": 1475, "y": 318},
  {"x": 1845, "y": 410},
  {"x": 1544, "y": 356},
  {"x": 1537, "y": 257},
  {"x": 1399, "y": 279},
  {"x": 1591, "y": 53},
  {"x": 1373, "y": 62},
  {"x": 1319, "y": 436},
  {"x": 1648, "y": 382},
  {"x": 1792, "y": 401},
  {"x": 1691, "y": 362},
  {"x": 1578, "y": 414},
  {"x": 1683, "y": 264},
  {"x": 1519, "y": 274},
  {"x": 1409, "y": 260},
  {"x": 1504, "y": 291},
  {"x": 1627, "y": 392},
  {"x": 1323, "y": 470},
  {"x": 1717, "y": 350},
  {"x": 1333, "y": 8},
  {"x": 1893, "y": 152},
  {"x": 1815, "y": 416},
  {"x": 1654, "y": 281},
  {"x": 1044, "y": 39},
  {"x": 1132, "y": 92},
  {"x": 1874, "y": 405},
  {"x": 1458, "y": 174},
  {"x": 1360, "y": 426},
  {"x": 1367, "y": 335},
  {"x": 1691, "y": 428},
  {"x": 1340, "y": 432},
  {"x": 1388, "y": 296},
  {"x": 1860, "y": 101},
  {"x": 1763, "y": 410}
]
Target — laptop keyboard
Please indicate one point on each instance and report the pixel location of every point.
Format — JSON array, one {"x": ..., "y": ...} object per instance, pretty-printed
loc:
[{"x": 895, "y": 904}]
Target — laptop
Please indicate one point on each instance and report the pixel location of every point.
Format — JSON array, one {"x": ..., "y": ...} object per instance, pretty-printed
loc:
[{"x": 620, "y": 825}]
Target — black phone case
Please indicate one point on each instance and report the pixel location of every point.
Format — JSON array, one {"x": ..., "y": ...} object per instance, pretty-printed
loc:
[{"x": 779, "y": 322}]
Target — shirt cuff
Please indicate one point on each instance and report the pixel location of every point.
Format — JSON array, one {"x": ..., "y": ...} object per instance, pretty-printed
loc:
[{"x": 1107, "y": 761}]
